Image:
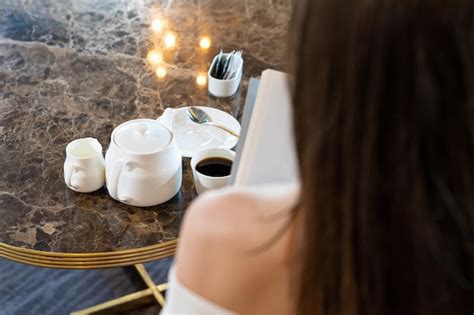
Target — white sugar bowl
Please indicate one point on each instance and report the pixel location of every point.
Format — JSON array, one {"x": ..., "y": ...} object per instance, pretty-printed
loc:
[{"x": 143, "y": 162}]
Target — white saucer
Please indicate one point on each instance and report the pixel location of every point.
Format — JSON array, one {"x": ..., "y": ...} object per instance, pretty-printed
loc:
[{"x": 192, "y": 137}]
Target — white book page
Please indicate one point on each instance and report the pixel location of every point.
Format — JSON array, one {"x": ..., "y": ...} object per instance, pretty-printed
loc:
[{"x": 268, "y": 154}]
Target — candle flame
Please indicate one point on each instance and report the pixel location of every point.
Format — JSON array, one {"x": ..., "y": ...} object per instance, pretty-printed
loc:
[
  {"x": 157, "y": 25},
  {"x": 160, "y": 72},
  {"x": 205, "y": 42},
  {"x": 170, "y": 40},
  {"x": 201, "y": 79},
  {"x": 154, "y": 57}
]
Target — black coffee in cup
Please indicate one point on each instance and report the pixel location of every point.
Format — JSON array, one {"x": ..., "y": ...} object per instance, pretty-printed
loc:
[{"x": 214, "y": 167}]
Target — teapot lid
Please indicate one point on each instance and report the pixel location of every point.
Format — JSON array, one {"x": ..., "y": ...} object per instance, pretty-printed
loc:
[{"x": 142, "y": 136}]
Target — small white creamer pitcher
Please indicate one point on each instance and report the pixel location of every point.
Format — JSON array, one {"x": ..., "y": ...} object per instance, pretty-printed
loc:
[{"x": 84, "y": 167}]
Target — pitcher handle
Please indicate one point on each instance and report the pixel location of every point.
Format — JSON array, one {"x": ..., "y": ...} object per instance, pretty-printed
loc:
[
  {"x": 112, "y": 185},
  {"x": 69, "y": 173}
]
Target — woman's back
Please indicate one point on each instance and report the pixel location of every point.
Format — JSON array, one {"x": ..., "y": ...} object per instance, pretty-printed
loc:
[
  {"x": 236, "y": 249},
  {"x": 383, "y": 99}
]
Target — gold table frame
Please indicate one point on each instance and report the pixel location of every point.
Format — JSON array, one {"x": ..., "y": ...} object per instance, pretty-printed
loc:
[{"x": 120, "y": 258}]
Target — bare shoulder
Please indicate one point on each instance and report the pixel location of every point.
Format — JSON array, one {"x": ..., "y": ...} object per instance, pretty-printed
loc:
[
  {"x": 219, "y": 230},
  {"x": 222, "y": 210},
  {"x": 214, "y": 223},
  {"x": 234, "y": 216}
]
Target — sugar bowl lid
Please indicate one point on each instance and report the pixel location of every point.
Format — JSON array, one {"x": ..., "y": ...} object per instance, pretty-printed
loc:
[{"x": 142, "y": 136}]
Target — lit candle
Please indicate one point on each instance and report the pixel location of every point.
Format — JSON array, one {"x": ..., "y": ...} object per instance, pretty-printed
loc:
[
  {"x": 154, "y": 57},
  {"x": 156, "y": 25},
  {"x": 205, "y": 42},
  {"x": 160, "y": 72},
  {"x": 201, "y": 79},
  {"x": 170, "y": 40}
]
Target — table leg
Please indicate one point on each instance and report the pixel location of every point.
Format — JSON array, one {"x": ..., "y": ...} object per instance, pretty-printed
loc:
[
  {"x": 151, "y": 285},
  {"x": 133, "y": 300},
  {"x": 123, "y": 303}
]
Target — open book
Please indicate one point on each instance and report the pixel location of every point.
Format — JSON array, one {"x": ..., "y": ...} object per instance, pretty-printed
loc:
[{"x": 265, "y": 153}]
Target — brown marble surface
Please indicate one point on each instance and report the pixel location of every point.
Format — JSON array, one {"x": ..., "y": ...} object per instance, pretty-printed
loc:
[{"x": 77, "y": 68}]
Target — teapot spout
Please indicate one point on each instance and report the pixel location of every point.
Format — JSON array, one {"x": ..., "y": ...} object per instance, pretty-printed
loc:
[{"x": 167, "y": 118}]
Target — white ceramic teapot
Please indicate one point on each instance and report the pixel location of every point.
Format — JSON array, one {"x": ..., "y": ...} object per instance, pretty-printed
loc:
[{"x": 143, "y": 163}]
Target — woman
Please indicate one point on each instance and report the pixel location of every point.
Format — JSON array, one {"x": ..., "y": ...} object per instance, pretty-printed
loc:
[{"x": 383, "y": 223}]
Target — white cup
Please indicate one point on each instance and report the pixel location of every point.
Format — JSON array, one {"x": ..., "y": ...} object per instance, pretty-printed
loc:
[
  {"x": 224, "y": 88},
  {"x": 203, "y": 182},
  {"x": 84, "y": 167}
]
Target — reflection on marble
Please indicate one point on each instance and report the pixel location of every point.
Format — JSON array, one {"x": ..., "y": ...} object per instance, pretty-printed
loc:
[{"x": 77, "y": 68}]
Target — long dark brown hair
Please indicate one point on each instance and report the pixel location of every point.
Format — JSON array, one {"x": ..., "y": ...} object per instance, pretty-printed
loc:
[{"x": 384, "y": 125}]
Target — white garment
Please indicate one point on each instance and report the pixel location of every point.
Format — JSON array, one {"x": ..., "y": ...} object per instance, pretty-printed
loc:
[{"x": 181, "y": 300}]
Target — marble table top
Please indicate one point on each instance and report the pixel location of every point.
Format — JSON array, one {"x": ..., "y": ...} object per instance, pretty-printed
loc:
[{"x": 78, "y": 68}]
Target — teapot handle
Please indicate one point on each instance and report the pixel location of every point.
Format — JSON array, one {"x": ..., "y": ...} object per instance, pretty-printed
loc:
[
  {"x": 167, "y": 118},
  {"x": 112, "y": 185}
]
